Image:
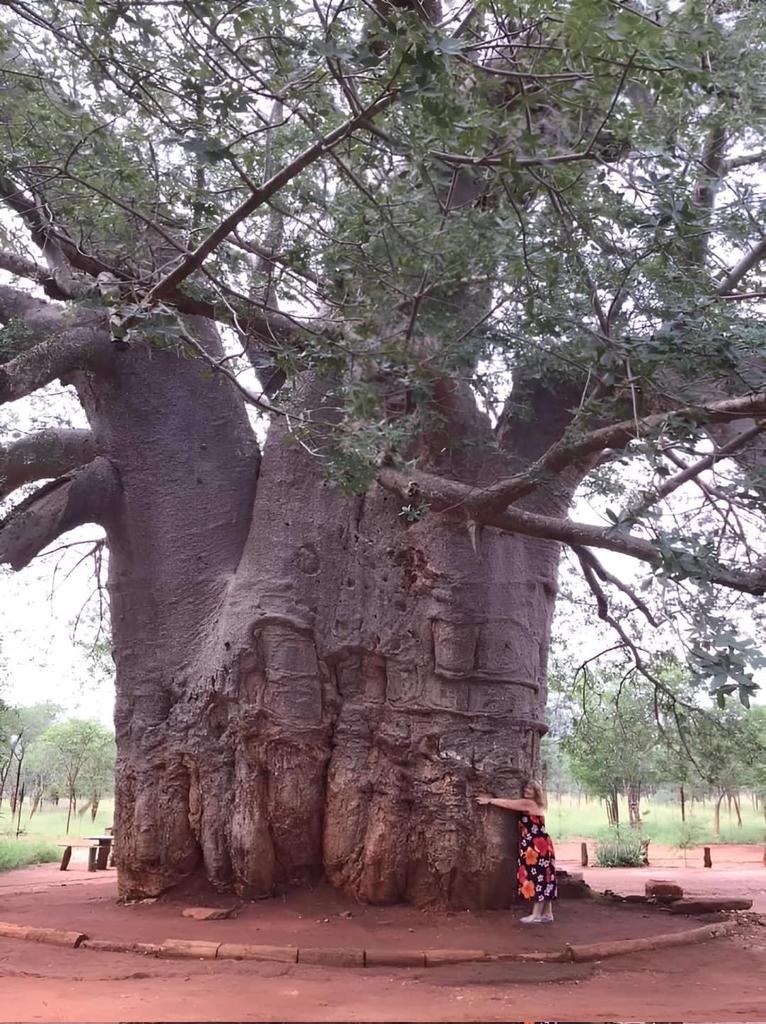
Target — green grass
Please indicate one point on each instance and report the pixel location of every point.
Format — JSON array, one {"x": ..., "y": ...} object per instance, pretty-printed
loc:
[
  {"x": 39, "y": 834},
  {"x": 18, "y": 853},
  {"x": 50, "y": 823},
  {"x": 568, "y": 818}
]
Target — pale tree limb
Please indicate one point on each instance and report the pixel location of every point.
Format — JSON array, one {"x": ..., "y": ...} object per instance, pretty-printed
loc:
[
  {"x": 43, "y": 455},
  {"x": 745, "y": 160},
  {"x": 451, "y": 497},
  {"x": 626, "y": 643},
  {"x": 745, "y": 265},
  {"x": 88, "y": 495},
  {"x": 86, "y": 347}
]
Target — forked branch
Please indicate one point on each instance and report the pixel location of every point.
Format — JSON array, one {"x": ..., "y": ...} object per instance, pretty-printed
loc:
[{"x": 43, "y": 455}]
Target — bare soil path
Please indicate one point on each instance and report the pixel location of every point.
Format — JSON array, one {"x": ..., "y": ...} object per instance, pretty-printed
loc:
[{"x": 721, "y": 980}]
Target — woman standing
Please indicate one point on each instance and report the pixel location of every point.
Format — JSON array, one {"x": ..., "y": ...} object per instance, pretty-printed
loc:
[{"x": 537, "y": 858}]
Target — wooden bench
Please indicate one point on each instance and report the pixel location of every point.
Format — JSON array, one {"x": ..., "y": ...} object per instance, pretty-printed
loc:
[{"x": 79, "y": 844}]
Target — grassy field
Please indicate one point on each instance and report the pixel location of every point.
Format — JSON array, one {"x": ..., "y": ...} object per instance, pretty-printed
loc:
[
  {"x": 20, "y": 853},
  {"x": 36, "y": 844},
  {"x": 569, "y": 818}
]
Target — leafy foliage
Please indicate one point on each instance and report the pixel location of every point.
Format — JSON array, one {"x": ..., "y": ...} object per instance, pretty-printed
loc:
[
  {"x": 552, "y": 197},
  {"x": 622, "y": 850}
]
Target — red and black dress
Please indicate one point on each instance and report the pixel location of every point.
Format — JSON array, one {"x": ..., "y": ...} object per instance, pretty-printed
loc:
[{"x": 537, "y": 860}]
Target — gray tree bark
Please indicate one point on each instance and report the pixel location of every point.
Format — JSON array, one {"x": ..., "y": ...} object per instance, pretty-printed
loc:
[{"x": 307, "y": 686}]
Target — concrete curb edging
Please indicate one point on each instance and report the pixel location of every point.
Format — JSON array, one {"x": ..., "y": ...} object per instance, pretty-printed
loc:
[
  {"x": 604, "y": 950},
  {"x": 335, "y": 957},
  {"x": 53, "y": 936}
]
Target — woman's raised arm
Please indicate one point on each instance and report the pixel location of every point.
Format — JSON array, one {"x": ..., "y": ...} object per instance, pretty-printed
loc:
[{"x": 525, "y": 806}]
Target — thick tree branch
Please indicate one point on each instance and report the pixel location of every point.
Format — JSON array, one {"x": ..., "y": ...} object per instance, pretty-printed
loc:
[
  {"x": 692, "y": 471},
  {"x": 451, "y": 497},
  {"x": 88, "y": 495},
  {"x": 40, "y": 456},
  {"x": 616, "y": 435}
]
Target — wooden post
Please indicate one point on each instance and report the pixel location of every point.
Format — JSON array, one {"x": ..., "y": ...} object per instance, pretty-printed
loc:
[
  {"x": 103, "y": 856},
  {"x": 584, "y": 854},
  {"x": 708, "y": 859},
  {"x": 66, "y": 858}
]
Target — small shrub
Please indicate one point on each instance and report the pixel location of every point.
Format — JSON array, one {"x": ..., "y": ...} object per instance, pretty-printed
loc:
[
  {"x": 689, "y": 835},
  {"x": 622, "y": 850}
]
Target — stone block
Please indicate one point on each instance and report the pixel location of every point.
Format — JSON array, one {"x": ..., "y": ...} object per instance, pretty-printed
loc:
[
  {"x": 709, "y": 905},
  {"x": 572, "y": 887},
  {"x": 244, "y": 951},
  {"x": 394, "y": 958},
  {"x": 207, "y": 913},
  {"x": 53, "y": 936},
  {"x": 439, "y": 957},
  {"x": 331, "y": 957},
  {"x": 663, "y": 891},
  {"x": 190, "y": 949}
]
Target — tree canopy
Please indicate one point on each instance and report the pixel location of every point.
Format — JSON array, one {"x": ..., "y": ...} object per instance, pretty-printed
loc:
[{"x": 551, "y": 209}]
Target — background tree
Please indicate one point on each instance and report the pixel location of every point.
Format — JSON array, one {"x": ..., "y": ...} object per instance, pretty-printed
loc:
[
  {"x": 612, "y": 749},
  {"x": 464, "y": 261},
  {"x": 730, "y": 753},
  {"x": 81, "y": 753}
]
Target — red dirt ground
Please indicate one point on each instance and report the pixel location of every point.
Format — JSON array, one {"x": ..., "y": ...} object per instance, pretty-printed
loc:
[{"x": 721, "y": 980}]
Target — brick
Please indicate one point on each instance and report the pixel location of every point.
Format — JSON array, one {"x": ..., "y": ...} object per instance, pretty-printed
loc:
[
  {"x": 243, "y": 951},
  {"x": 53, "y": 936},
  {"x": 437, "y": 957},
  {"x": 663, "y": 891},
  {"x": 332, "y": 957},
  {"x": 394, "y": 958},
  {"x": 543, "y": 957},
  {"x": 110, "y": 946},
  {"x": 193, "y": 950},
  {"x": 206, "y": 913},
  {"x": 709, "y": 905}
]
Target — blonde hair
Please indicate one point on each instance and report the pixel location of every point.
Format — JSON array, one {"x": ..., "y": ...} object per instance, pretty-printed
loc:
[{"x": 539, "y": 792}]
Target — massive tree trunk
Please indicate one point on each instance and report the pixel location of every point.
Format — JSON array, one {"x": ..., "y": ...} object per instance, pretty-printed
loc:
[{"x": 307, "y": 685}]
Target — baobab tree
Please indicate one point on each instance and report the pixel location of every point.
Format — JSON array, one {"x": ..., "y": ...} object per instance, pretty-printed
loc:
[{"x": 474, "y": 258}]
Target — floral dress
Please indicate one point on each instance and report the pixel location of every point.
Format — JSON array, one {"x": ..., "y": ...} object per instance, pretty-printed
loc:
[{"x": 537, "y": 860}]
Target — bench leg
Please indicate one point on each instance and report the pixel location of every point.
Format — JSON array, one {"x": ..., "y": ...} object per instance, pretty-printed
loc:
[
  {"x": 66, "y": 858},
  {"x": 93, "y": 850},
  {"x": 103, "y": 857}
]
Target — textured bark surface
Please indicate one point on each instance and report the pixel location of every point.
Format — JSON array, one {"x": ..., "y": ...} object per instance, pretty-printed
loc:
[{"x": 307, "y": 685}]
